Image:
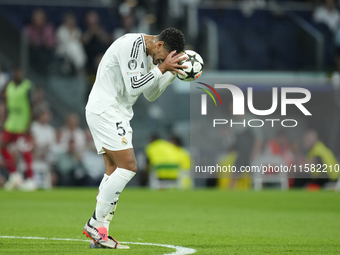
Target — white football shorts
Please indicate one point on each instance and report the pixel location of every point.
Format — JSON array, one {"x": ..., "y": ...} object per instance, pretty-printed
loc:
[{"x": 109, "y": 130}]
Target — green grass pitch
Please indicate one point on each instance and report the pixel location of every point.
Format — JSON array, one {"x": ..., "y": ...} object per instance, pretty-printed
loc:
[{"x": 209, "y": 221}]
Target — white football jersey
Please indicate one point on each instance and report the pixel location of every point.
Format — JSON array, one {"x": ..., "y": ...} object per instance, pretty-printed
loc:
[{"x": 124, "y": 72}]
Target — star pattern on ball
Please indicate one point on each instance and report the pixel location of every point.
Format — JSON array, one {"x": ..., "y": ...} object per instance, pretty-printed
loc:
[
  {"x": 195, "y": 66},
  {"x": 192, "y": 59}
]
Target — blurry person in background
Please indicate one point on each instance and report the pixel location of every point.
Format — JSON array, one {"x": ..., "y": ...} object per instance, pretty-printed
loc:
[
  {"x": 184, "y": 162},
  {"x": 2, "y": 113},
  {"x": 39, "y": 103},
  {"x": 68, "y": 167},
  {"x": 4, "y": 77},
  {"x": 127, "y": 25},
  {"x": 317, "y": 153},
  {"x": 134, "y": 18},
  {"x": 44, "y": 138},
  {"x": 328, "y": 14},
  {"x": 57, "y": 149},
  {"x": 92, "y": 162},
  {"x": 248, "y": 7},
  {"x": 297, "y": 153},
  {"x": 17, "y": 129},
  {"x": 41, "y": 39},
  {"x": 72, "y": 131},
  {"x": 92, "y": 76},
  {"x": 95, "y": 39},
  {"x": 69, "y": 45},
  {"x": 277, "y": 152},
  {"x": 279, "y": 147},
  {"x": 164, "y": 163}
]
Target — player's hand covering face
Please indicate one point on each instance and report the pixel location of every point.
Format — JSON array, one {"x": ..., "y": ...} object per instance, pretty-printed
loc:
[
  {"x": 160, "y": 56},
  {"x": 171, "y": 63}
]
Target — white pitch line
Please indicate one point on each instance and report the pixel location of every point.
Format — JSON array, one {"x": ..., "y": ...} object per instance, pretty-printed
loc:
[{"x": 180, "y": 250}]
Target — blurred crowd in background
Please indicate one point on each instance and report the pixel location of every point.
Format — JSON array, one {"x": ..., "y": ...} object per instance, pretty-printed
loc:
[
  {"x": 249, "y": 148},
  {"x": 44, "y": 156},
  {"x": 72, "y": 40},
  {"x": 69, "y": 42}
]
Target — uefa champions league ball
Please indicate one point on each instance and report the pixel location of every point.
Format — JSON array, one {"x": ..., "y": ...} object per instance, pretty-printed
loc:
[{"x": 194, "y": 66}]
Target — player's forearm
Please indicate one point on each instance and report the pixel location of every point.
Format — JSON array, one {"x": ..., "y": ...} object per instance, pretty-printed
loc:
[
  {"x": 152, "y": 93},
  {"x": 167, "y": 78},
  {"x": 139, "y": 84}
]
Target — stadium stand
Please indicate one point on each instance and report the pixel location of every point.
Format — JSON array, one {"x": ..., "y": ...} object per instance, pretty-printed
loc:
[{"x": 265, "y": 39}]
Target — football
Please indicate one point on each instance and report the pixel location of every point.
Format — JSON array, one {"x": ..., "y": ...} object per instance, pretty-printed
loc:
[{"x": 195, "y": 66}]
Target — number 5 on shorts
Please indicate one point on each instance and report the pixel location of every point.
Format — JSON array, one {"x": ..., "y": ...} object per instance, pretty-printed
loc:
[{"x": 120, "y": 127}]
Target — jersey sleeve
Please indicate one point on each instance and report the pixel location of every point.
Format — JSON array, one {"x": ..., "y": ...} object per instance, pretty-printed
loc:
[
  {"x": 152, "y": 93},
  {"x": 130, "y": 65}
]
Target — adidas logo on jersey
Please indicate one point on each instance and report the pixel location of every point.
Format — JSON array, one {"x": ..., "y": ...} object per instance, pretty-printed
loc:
[{"x": 142, "y": 65}]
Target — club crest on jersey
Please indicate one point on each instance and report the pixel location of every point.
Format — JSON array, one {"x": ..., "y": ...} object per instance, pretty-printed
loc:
[
  {"x": 124, "y": 141},
  {"x": 132, "y": 64}
]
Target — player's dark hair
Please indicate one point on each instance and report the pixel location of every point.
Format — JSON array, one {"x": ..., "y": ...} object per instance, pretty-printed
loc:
[
  {"x": 154, "y": 137},
  {"x": 173, "y": 39},
  {"x": 176, "y": 140}
]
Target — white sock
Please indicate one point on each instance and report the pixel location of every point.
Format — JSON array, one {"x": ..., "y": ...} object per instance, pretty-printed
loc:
[
  {"x": 108, "y": 218},
  {"x": 108, "y": 196},
  {"x": 105, "y": 177}
]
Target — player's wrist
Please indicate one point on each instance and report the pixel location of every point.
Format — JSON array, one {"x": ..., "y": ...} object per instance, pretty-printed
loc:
[{"x": 162, "y": 68}]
